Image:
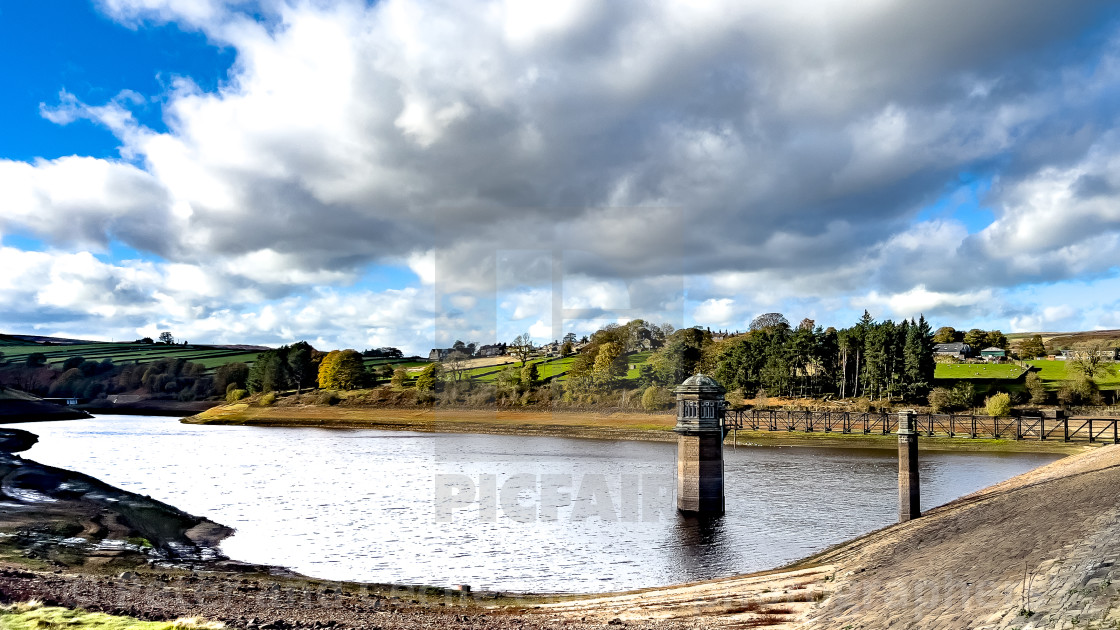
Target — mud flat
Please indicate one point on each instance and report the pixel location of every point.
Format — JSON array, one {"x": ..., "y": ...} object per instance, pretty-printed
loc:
[{"x": 657, "y": 427}]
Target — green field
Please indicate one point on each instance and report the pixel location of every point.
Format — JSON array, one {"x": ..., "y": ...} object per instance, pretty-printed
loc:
[
  {"x": 557, "y": 369},
  {"x": 553, "y": 368},
  {"x": 637, "y": 360},
  {"x": 17, "y": 350},
  {"x": 972, "y": 370},
  {"x": 212, "y": 357},
  {"x": 549, "y": 367},
  {"x": 1053, "y": 373}
]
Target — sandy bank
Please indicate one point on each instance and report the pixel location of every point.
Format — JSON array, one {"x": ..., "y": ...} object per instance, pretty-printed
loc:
[{"x": 570, "y": 424}]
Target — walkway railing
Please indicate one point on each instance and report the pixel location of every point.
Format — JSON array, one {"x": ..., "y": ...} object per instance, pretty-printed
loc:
[{"x": 951, "y": 425}]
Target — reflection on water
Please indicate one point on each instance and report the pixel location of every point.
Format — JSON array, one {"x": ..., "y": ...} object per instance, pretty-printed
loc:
[{"x": 501, "y": 512}]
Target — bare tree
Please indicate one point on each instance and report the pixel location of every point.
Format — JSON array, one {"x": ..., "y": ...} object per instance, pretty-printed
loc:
[
  {"x": 1087, "y": 358},
  {"x": 455, "y": 364},
  {"x": 521, "y": 347}
]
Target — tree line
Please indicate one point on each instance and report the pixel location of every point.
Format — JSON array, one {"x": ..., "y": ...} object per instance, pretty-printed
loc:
[
  {"x": 881, "y": 360},
  {"x": 297, "y": 367}
]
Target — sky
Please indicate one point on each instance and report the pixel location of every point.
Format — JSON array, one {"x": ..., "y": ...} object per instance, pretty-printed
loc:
[{"x": 411, "y": 172}]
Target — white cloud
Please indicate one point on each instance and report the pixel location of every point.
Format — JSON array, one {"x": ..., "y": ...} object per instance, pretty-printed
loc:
[
  {"x": 919, "y": 300},
  {"x": 780, "y": 152},
  {"x": 716, "y": 312}
]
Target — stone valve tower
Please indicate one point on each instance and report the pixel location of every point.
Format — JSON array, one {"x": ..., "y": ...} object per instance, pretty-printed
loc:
[{"x": 700, "y": 432}]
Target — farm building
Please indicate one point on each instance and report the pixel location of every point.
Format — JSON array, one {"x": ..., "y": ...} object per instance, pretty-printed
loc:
[
  {"x": 957, "y": 349},
  {"x": 1108, "y": 354},
  {"x": 438, "y": 354},
  {"x": 492, "y": 350},
  {"x": 993, "y": 354}
]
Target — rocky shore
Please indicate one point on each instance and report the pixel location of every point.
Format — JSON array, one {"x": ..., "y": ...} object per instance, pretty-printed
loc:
[{"x": 62, "y": 517}]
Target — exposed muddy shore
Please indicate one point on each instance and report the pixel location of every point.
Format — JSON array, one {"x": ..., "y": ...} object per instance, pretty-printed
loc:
[{"x": 656, "y": 427}]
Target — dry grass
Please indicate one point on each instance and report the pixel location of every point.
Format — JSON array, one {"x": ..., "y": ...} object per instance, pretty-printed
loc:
[
  {"x": 448, "y": 419},
  {"x": 33, "y": 615}
]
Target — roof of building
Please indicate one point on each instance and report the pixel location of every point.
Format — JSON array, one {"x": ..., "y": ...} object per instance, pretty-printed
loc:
[
  {"x": 993, "y": 349},
  {"x": 700, "y": 383},
  {"x": 956, "y": 346}
]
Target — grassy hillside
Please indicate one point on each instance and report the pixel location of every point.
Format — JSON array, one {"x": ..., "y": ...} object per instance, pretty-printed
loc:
[
  {"x": 1053, "y": 373},
  {"x": 1071, "y": 339},
  {"x": 18, "y": 350}
]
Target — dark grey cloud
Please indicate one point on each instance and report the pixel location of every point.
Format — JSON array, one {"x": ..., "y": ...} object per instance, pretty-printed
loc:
[{"x": 666, "y": 140}]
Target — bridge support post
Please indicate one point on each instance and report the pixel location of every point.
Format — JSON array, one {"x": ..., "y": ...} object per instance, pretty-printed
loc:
[
  {"x": 700, "y": 433},
  {"x": 909, "y": 492}
]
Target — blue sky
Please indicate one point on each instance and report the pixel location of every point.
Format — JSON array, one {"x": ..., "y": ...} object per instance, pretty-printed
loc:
[
  {"x": 71, "y": 46},
  {"x": 409, "y": 173}
]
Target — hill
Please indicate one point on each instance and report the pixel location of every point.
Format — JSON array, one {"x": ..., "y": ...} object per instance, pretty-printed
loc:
[
  {"x": 17, "y": 348},
  {"x": 1070, "y": 339}
]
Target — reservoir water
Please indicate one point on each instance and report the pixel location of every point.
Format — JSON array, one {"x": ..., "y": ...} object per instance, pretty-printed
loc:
[{"x": 505, "y": 513}]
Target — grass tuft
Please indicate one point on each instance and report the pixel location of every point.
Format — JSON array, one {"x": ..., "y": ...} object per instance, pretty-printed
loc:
[{"x": 33, "y": 615}]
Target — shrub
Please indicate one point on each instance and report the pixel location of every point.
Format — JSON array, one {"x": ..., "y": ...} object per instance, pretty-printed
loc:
[
  {"x": 428, "y": 378},
  {"x": 1079, "y": 391},
  {"x": 998, "y": 405},
  {"x": 964, "y": 395},
  {"x": 529, "y": 376},
  {"x": 762, "y": 399},
  {"x": 385, "y": 372},
  {"x": 1087, "y": 389},
  {"x": 400, "y": 375},
  {"x": 267, "y": 399},
  {"x": 1036, "y": 389},
  {"x": 940, "y": 400},
  {"x": 1066, "y": 395},
  {"x": 235, "y": 395},
  {"x": 655, "y": 398}
]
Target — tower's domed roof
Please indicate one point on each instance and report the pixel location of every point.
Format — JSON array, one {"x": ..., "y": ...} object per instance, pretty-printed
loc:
[{"x": 700, "y": 383}]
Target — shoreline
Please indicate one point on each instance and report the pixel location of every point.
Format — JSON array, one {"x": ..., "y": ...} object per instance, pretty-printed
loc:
[
  {"x": 1053, "y": 521},
  {"x": 149, "y": 560},
  {"x": 21, "y": 411},
  {"x": 580, "y": 424}
]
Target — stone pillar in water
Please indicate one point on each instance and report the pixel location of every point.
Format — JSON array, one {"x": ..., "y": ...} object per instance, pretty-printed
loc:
[
  {"x": 700, "y": 445},
  {"x": 909, "y": 493}
]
